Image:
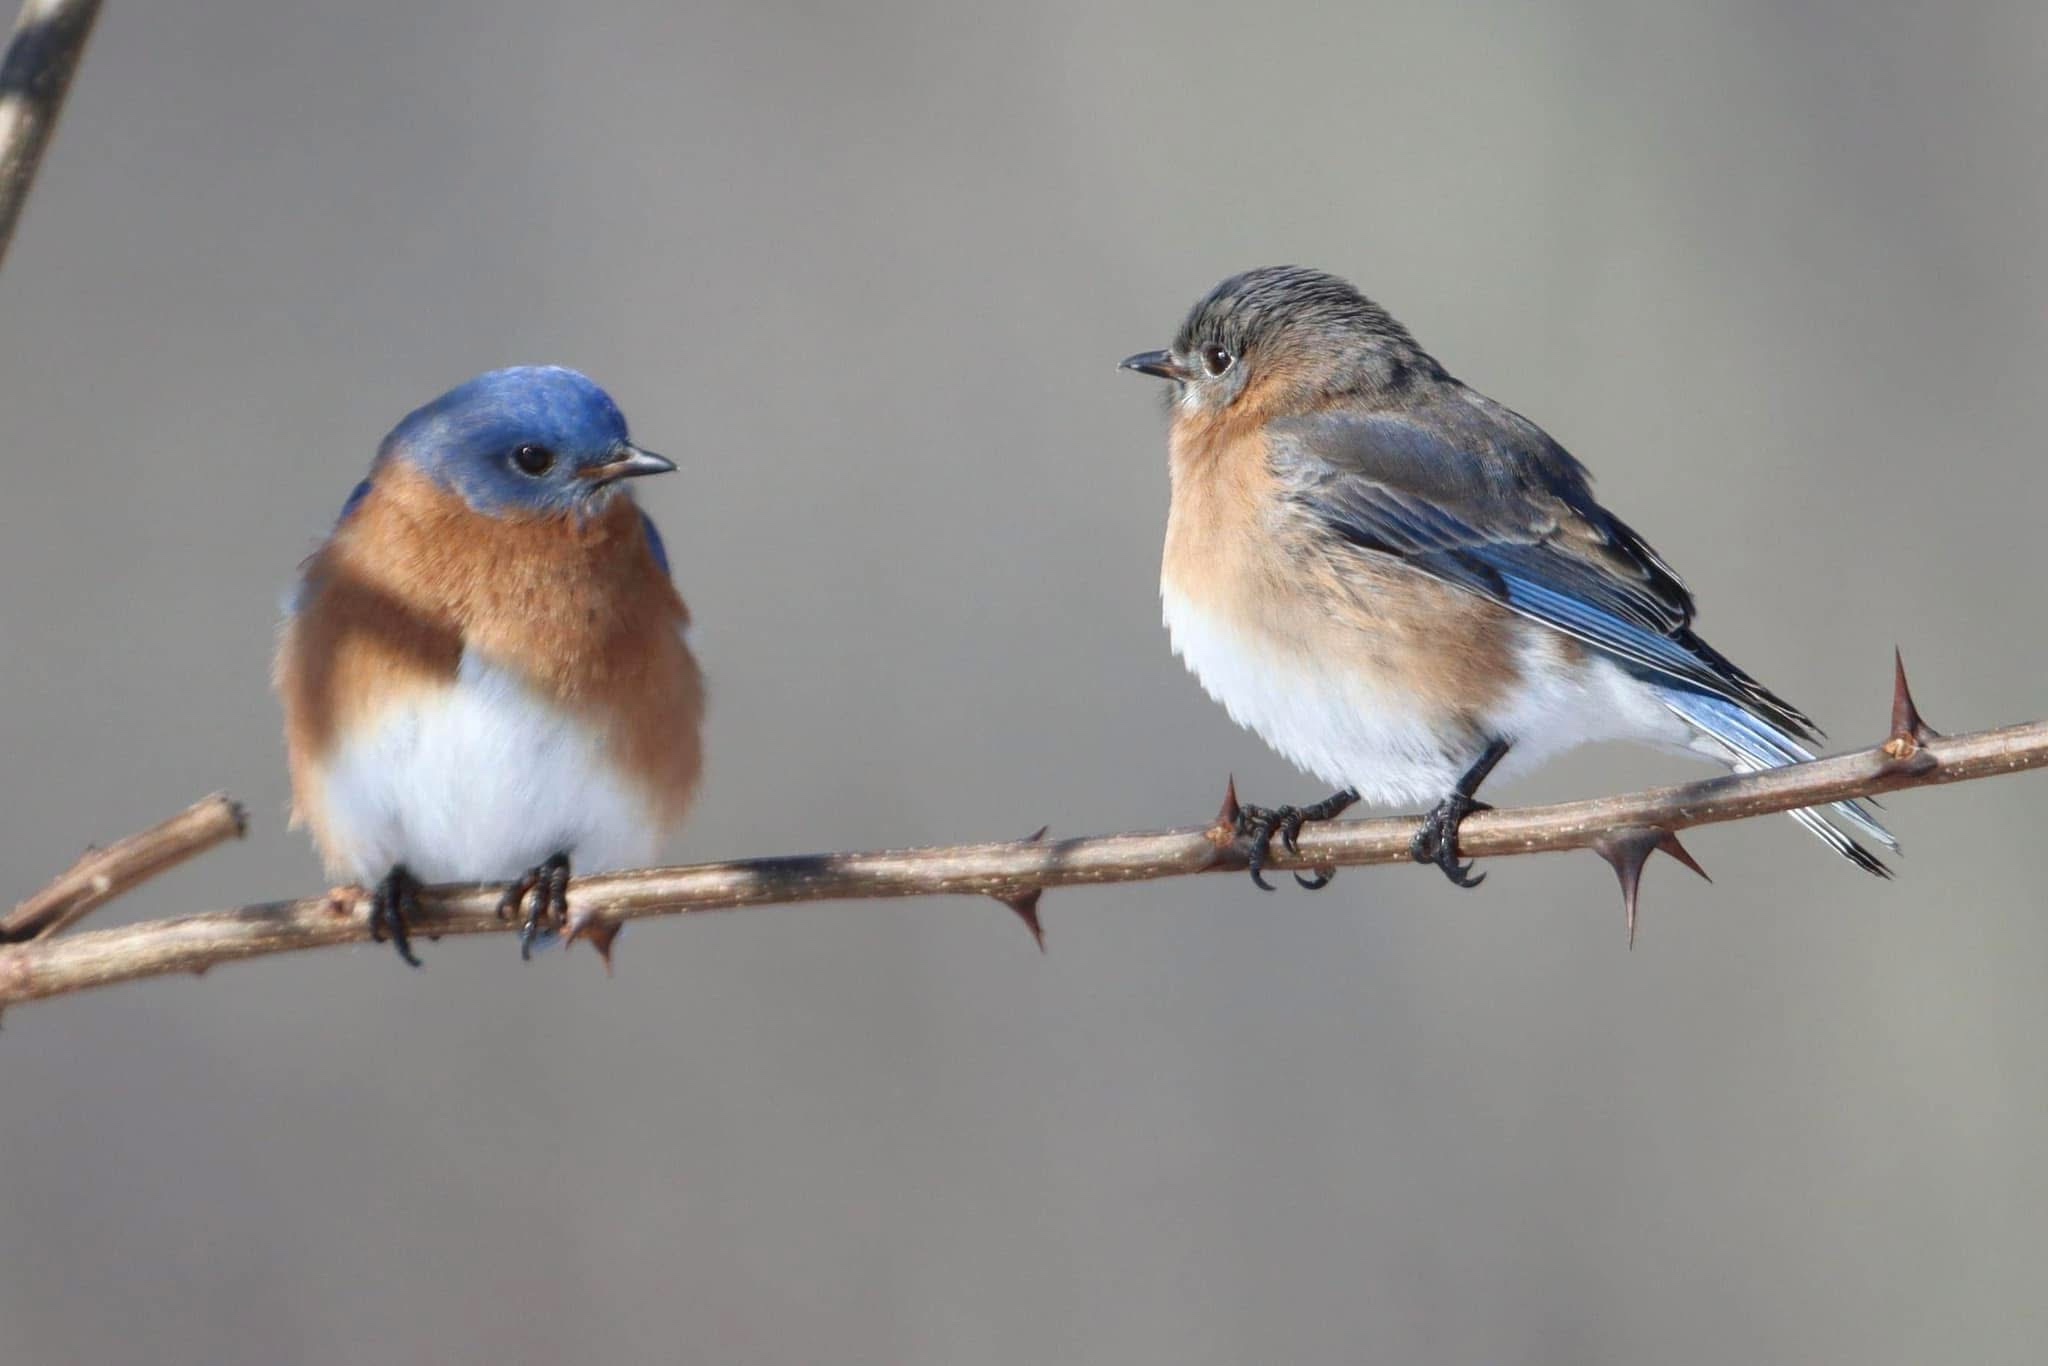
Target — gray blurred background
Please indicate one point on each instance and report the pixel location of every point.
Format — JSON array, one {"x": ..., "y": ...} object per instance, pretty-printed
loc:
[{"x": 1777, "y": 274}]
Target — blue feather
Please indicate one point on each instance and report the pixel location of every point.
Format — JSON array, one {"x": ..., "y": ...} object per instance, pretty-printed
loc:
[
  {"x": 1652, "y": 649},
  {"x": 654, "y": 541},
  {"x": 467, "y": 438},
  {"x": 355, "y": 500},
  {"x": 1757, "y": 744}
]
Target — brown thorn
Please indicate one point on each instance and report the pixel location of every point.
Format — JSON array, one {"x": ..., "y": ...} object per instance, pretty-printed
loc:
[
  {"x": 1670, "y": 845},
  {"x": 1025, "y": 903},
  {"x": 1223, "y": 831},
  {"x": 600, "y": 933},
  {"x": 1228, "y": 815},
  {"x": 1627, "y": 850},
  {"x": 1909, "y": 730}
]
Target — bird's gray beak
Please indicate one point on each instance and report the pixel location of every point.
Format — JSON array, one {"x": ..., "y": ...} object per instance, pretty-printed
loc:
[
  {"x": 631, "y": 464},
  {"x": 1160, "y": 363}
]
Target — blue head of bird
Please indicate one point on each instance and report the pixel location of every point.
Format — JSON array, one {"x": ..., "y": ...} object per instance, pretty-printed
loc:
[{"x": 531, "y": 441}]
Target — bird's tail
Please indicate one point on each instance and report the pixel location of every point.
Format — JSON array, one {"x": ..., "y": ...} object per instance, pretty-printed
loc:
[{"x": 1748, "y": 743}]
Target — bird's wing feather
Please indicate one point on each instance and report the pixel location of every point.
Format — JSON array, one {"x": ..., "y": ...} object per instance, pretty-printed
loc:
[
  {"x": 295, "y": 596},
  {"x": 1475, "y": 495},
  {"x": 654, "y": 542},
  {"x": 355, "y": 500}
]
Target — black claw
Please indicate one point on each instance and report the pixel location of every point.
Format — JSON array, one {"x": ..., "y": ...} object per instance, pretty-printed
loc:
[
  {"x": 1313, "y": 884},
  {"x": 515, "y": 895},
  {"x": 544, "y": 890},
  {"x": 558, "y": 899},
  {"x": 1290, "y": 828},
  {"x": 1437, "y": 841},
  {"x": 393, "y": 905},
  {"x": 1257, "y": 825}
]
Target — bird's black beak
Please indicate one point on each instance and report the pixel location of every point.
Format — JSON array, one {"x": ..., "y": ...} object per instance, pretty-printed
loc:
[
  {"x": 1160, "y": 363},
  {"x": 632, "y": 462}
]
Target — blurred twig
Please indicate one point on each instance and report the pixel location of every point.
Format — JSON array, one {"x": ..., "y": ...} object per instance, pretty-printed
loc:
[
  {"x": 100, "y": 875},
  {"x": 1912, "y": 757},
  {"x": 49, "y": 38}
]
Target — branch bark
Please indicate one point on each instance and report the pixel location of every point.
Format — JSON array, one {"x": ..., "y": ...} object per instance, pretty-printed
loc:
[
  {"x": 100, "y": 875},
  {"x": 1011, "y": 871},
  {"x": 42, "y": 57}
]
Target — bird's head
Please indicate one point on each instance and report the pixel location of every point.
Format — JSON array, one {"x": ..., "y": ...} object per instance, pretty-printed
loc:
[
  {"x": 1280, "y": 339},
  {"x": 532, "y": 441}
]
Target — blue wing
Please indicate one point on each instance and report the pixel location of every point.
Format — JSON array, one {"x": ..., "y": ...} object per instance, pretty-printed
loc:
[
  {"x": 294, "y": 597},
  {"x": 654, "y": 542},
  {"x": 355, "y": 500},
  {"x": 1477, "y": 496}
]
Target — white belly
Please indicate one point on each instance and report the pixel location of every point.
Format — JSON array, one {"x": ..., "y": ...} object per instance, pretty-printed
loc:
[
  {"x": 1390, "y": 744},
  {"x": 480, "y": 783}
]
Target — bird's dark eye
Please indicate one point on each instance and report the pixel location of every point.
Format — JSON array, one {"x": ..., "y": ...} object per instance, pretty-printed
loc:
[
  {"x": 534, "y": 460},
  {"x": 1216, "y": 358}
]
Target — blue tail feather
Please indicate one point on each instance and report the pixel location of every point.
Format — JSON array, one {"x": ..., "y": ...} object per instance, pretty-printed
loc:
[{"x": 1755, "y": 743}]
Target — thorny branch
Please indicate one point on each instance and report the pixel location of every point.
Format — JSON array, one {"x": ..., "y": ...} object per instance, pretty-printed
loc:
[{"x": 1624, "y": 829}]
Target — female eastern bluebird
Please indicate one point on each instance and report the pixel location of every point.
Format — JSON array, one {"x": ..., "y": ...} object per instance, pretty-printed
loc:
[
  {"x": 1401, "y": 585},
  {"x": 483, "y": 668}
]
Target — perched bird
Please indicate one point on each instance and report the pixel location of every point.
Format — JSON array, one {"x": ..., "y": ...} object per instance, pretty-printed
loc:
[
  {"x": 483, "y": 667},
  {"x": 1402, "y": 586}
]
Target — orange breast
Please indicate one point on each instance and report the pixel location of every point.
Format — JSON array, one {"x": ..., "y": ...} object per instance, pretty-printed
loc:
[
  {"x": 1261, "y": 567},
  {"x": 582, "y": 612}
]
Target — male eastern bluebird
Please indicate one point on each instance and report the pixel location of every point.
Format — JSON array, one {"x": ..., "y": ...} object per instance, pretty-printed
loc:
[
  {"x": 483, "y": 667},
  {"x": 1401, "y": 585}
]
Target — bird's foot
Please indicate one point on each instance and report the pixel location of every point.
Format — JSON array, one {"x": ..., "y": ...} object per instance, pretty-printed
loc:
[
  {"x": 393, "y": 904},
  {"x": 1257, "y": 825},
  {"x": 1437, "y": 841},
  {"x": 544, "y": 890}
]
